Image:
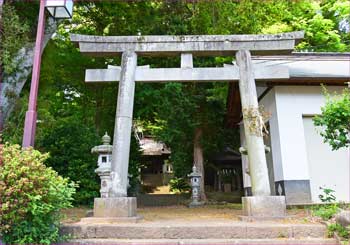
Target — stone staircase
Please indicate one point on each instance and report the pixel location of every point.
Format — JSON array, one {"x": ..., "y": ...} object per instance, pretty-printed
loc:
[
  {"x": 309, "y": 241},
  {"x": 196, "y": 232}
]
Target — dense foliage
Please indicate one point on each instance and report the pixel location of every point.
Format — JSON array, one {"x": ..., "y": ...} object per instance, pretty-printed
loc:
[
  {"x": 335, "y": 120},
  {"x": 342, "y": 231},
  {"x": 14, "y": 35},
  {"x": 326, "y": 212},
  {"x": 72, "y": 116},
  {"x": 31, "y": 196}
]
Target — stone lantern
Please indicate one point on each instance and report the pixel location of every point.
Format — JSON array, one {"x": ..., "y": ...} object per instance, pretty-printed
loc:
[
  {"x": 104, "y": 152},
  {"x": 195, "y": 177}
]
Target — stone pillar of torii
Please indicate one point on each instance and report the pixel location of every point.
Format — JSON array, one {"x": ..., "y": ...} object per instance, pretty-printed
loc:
[{"x": 261, "y": 204}]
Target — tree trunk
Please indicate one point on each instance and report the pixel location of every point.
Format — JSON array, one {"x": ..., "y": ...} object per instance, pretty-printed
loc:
[
  {"x": 12, "y": 85},
  {"x": 98, "y": 111},
  {"x": 199, "y": 159},
  {"x": 233, "y": 105}
]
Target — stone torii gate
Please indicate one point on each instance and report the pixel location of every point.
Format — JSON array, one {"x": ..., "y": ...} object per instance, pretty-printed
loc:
[{"x": 130, "y": 47}]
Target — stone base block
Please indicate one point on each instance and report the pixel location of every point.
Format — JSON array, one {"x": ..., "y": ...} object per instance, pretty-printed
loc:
[
  {"x": 264, "y": 206},
  {"x": 196, "y": 204},
  {"x": 115, "y": 207}
]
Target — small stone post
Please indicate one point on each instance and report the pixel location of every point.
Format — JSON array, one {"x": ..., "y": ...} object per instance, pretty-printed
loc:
[
  {"x": 195, "y": 177},
  {"x": 262, "y": 204},
  {"x": 104, "y": 152}
]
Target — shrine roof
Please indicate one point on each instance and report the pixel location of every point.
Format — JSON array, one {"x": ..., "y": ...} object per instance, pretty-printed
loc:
[{"x": 311, "y": 68}]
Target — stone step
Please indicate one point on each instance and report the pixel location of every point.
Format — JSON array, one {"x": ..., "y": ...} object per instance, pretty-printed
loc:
[
  {"x": 196, "y": 230},
  {"x": 281, "y": 241}
]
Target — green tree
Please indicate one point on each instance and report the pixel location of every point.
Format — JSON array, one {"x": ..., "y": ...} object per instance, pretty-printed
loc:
[
  {"x": 14, "y": 35},
  {"x": 335, "y": 120}
]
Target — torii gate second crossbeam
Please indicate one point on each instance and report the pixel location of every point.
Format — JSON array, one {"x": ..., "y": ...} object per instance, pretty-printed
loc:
[{"x": 186, "y": 46}]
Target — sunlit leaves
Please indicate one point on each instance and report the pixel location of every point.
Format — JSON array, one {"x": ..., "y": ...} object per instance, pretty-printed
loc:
[
  {"x": 31, "y": 196},
  {"x": 335, "y": 120}
]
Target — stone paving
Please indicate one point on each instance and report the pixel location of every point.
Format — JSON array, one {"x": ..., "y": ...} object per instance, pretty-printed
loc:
[{"x": 228, "y": 212}]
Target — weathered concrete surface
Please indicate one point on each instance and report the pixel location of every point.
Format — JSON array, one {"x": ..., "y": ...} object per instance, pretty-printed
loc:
[
  {"x": 196, "y": 44},
  {"x": 123, "y": 124},
  {"x": 343, "y": 218},
  {"x": 264, "y": 206},
  {"x": 253, "y": 126},
  {"x": 195, "y": 230},
  {"x": 110, "y": 220},
  {"x": 222, "y": 74},
  {"x": 115, "y": 207},
  {"x": 313, "y": 241}
]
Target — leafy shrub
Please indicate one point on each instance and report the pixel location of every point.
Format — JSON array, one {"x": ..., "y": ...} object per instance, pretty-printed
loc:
[
  {"x": 335, "y": 119},
  {"x": 31, "y": 197},
  {"x": 327, "y": 195},
  {"x": 179, "y": 185},
  {"x": 325, "y": 212},
  {"x": 341, "y": 230}
]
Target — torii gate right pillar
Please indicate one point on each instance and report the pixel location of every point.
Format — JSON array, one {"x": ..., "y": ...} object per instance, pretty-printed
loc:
[{"x": 261, "y": 204}]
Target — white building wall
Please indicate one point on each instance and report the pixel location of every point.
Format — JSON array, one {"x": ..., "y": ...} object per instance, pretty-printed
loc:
[
  {"x": 269, "y": 104},
  {"x": 288, "y": 106},
  {"x": 293, "y": 103},
  {"x": 327, "y": 168}
]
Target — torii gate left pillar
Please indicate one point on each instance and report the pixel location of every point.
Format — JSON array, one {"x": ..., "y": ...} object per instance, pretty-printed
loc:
[
  {"x": 119, "y": 204},
  {"x": 262, "y": 204},
  {"x": 123, "y": 125}
]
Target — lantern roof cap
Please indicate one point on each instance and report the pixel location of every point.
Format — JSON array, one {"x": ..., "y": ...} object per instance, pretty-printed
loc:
[
  {"x": 105, "y": 148},
  {"x": 106, "y": 139},
  {"x": 195, "y": 172}
]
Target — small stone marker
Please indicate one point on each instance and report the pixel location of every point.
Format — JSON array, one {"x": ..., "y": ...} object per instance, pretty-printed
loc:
[
  {"x": 104, "y": 152},
  {"x": 343, "y": 218},
  {"x": 195, "y": 177}
]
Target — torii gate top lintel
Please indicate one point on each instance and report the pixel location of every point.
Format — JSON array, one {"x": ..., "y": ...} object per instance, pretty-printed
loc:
[{"x": 201, "y": 45}]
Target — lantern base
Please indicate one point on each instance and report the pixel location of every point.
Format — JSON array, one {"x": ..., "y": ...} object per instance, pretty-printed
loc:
[
  {"x": 196, "y": 204},
  {"x": 115, "y": 207}
]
